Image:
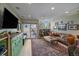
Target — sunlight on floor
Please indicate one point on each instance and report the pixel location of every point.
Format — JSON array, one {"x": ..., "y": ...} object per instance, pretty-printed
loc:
[{"x": 26, "y": 50}]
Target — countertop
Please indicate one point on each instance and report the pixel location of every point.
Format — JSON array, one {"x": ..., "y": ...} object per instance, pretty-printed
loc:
[{"x": 14, "y": 34}]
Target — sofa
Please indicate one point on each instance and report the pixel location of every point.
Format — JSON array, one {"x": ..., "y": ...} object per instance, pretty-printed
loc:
[
  {"x": 62, "y": 39},
  {"x": 56, "y": 37}
]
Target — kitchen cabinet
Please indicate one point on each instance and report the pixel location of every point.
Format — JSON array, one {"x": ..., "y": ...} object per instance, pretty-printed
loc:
[{"x": 16, "y": 45}]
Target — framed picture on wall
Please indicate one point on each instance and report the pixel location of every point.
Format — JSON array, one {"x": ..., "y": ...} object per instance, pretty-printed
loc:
[
  {"x": 77, "y": 26},
  {"x": 62, "y": 27},
  {"x": 72, "y": 27}
]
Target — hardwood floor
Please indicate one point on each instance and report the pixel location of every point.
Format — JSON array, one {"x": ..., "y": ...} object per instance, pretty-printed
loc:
[
  {"x": 26, "y": 50},
  {"x": 39, "y": 47}
]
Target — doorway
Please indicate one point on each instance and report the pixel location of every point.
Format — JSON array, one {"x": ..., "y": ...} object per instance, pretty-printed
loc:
[{"x": 30, "y": 30}]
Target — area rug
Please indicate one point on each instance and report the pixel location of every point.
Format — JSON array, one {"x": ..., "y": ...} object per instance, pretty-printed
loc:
[{"x": 42, "y": 48}]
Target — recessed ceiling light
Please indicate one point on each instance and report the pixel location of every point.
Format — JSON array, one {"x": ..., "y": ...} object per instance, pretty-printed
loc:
[
  {"x": 52, "y": 8},
  {"x": 66, "y": 12},
  {"x": 29, "y": 3}
]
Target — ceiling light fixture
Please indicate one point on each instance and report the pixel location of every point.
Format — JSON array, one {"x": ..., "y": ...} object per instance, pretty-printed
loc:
[
  {"x": 52, "y": 8},
  {"x": 66, "y": 12},
  {"x": 29, "y": 3}
]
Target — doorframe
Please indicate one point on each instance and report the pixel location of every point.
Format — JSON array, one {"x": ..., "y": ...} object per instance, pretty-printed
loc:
[{"x": 30, "y": 30}]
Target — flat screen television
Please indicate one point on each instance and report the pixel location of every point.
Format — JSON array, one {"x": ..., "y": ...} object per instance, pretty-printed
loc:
[{"x": 9, "y": 20}]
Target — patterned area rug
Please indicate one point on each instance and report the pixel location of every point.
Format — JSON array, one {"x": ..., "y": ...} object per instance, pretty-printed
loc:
[{"x": 42, "y": 48}]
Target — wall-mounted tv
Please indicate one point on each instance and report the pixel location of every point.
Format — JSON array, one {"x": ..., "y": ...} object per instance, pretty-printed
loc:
[{"x": 9, "y": 20}]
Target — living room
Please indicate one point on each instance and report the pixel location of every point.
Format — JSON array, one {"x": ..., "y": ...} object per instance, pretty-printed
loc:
[{"x": 41, "y": 29}]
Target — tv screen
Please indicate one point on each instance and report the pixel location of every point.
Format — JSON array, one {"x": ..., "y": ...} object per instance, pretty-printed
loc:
[{"x": 9, "y": 20}]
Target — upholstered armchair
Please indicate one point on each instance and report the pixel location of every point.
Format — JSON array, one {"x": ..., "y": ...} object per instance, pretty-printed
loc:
[{"x": 72, "y": 44}]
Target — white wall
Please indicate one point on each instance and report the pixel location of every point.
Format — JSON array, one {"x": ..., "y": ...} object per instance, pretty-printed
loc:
[
  {"x": 74, "y": 18},
  {"x": 44, "y": 23},
  {"x": 1, "y": 14}
]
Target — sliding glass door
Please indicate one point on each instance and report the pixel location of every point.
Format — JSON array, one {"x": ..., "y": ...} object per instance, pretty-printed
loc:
[
  {"x": 27, "y": 30},
  {"x": 30, "y": 30},
  {"x": 33, "y": 31}
]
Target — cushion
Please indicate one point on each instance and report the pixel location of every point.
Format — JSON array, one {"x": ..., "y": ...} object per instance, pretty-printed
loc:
[{"x": 56, "y": 34}]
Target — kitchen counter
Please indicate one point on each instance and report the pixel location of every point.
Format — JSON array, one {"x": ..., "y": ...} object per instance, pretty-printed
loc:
[
  {"x": 16, "y": 43},
  {"x": 15, "y": 34},
  {"x": 2, "y": 37}
]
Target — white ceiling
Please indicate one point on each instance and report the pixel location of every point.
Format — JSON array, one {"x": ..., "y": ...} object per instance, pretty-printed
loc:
[{"x": 38, "y": 10}]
